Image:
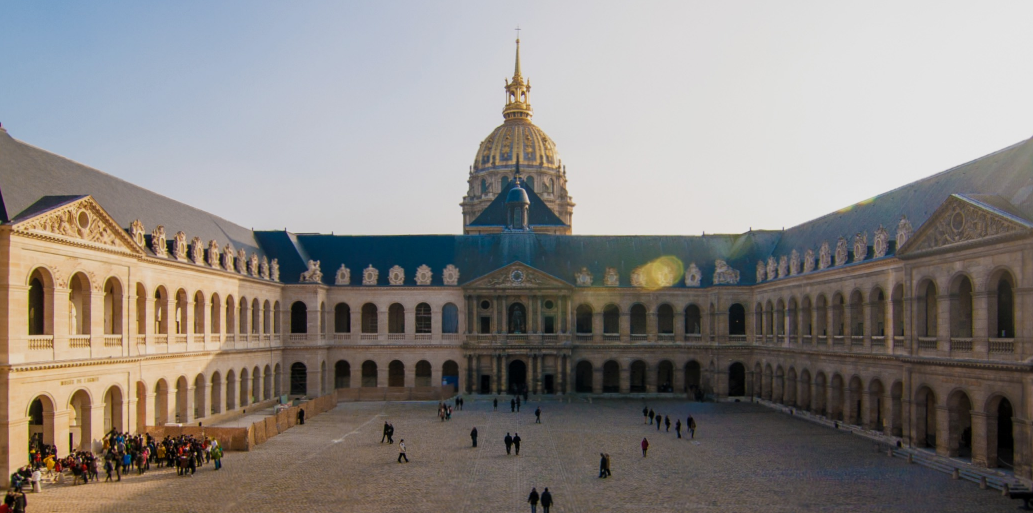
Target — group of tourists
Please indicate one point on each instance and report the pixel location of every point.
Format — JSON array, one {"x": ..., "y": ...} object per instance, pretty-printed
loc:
[
  {"x": 649, "y": 416},
  {"x": 545, "y": 498}
]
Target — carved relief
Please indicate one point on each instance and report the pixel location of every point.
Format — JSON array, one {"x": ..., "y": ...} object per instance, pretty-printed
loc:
[
  {"x": 824, "y": 256},
  {"x": 213, "y": 253},
  {"x": 313, "y": 275},
  {"x": 808, "y": 261},
  {"x": 179, "y": 246},
  {"x": 961, "y": 222},
  {"x": 450, "y": 275},
  {"x": 197, "y": 251},
  {"x": 772, "y": 268},
  {"x": 227, "y": 257},
  {"x": 783, "y": 266},
  {"x": 396, "y": 275},
  {"x": 263, "y": 268},
  {"x": 693, "y": 276},
  {"x": 136, "y": 231},
  {"x": 423, "y": 275},
  {"x": 344, "y": 276},
  {"x": 158, "y": 243},
  {"x": 241, "y": 261},
  {"x": 882, "y": 242},
  {"x": 794, "y": 263},
  {"x": 637, "y": 280},
  {"x": 583, "y": 278},
  {"x": 860, "y": 247},
  {"x": 611, "y": 278},
  {"x": 841, "y": 251},
  {"x": 370, "y": 275},
  {"x": 904, "y": 231},
  {"x": 517, "y": 277},
  {"x": 725, "y": 274},
  {"x": 83, "y": 221},
  {"x": 252, "y": 265},
  {"x": 761, "y": 271},
  {"x": 274, "y": 270}
]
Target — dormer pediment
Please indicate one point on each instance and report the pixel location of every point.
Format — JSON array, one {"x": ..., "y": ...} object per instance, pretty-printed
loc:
[
  {"x": 80, "y": 221},
  {"x": 517, "y": 276},
  {"x": 966, "y": 221}
]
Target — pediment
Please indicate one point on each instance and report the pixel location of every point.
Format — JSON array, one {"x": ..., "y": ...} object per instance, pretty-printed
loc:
[
  {"x": 80, "y": 221},
  {"x": 517, "y": 276},
  {"x": 963, "y": 221}
]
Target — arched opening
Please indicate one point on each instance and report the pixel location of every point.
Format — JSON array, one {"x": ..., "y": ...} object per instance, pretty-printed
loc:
[
  {"x": 242, "y": 317},
  {"x": 161, "y": 403},
  {"x": 856, "y": 318},
  {"x": 450, "y": 375},
  {"x": 517, "y": 376},
  {"x": 877, "y": 313},
  {"x": 141, "y": 406},
  {"x": 855, "y": 399},
  {"x": 449, "y": 318},
  {"x": 583, "y": 377},
  {"x": 925, "y": 309},
  {"x": 369, "y": 374},
  {"x": 267, "y": 383},
  {"x": 897, "y": 307},
  {"x": 141, "y": 309},
  {"x": 896, "y": 409},
  {"x": 693, "y": 376},
  {"x": 40, "y": 290},
  {"x": 583, "y": 319},
  {"x": 299, "y": 317},
  {"x": 41, "y": 422},
  {"x": 822, "y": 311},
  {"x": 80, "y": 421},
  {"x": 322, "y": 378},
  {"x": 789, "y": 387},
  {"x": 778, "y": 386},
  {"x": 804, "y": 395},
  {"x": 637, "y": 378},
  {"x": 838, "y": 322},
  {"x": 342, "y": 374},
  {"x": 396, "y": 374},
  {"x": 820, "y": 394},
  {"x": 199, "y": 312},
  {"x": 665, "y": 320},
  {"x": 758, "y": 319},
  {"x": 79, "y": 305},
  {"x": 611, "y": 320},
  {"x": 231, "y": 390},
  {"x": 180, "y": 318},
  {"x": 959, "y": 425},
  {"x": 768, "y": 383},
  {"x": 693, "y": 320},
  {"x": 517, "y": 318},
  {"x": 370, "y": 322},
  {"x": 423, "y": 318},
  {"x": 231, "y": 315},
  {"x": 793, "y": 313},
  {"x": 665, "y": 377},
  {"x": 215, "y": 312},
  {"x": 838, "y": 397},
  {"x": 245, "y": 398},
  {"x": 277, "y": 380},
  {"x": 736, "y": 379},
  {"x": 780, "y": 318},
  {"x": 737, "y": 321},
  {"x": 758, "y": 381},
  {"x": 113, "y": 307},
  {"x": 806, "y": 317},
  {"x": 961, "y": 307},
  {"x": 256, "y": 385},
  {"x": 1001, "y": 299},
  {"x": 216, "y": 393},
  {"x": 423, "y": 374},
  {"x": 769, "y": 319},
  {"x": 1000, "y": 441},
  {"x": 299, "y": 379},
  {"x": 200, "y": 411},
  {"x": 611, "y": 377},
  {"x": 113, "y": 417},
  {"x": 925, "y": 418},
  {"x": 181, "y": 400},
  {"x": 322, "y": 317},
  {"x": 276, "y": 317},
  {"x": 267, "y": 317},
  {"x": 256, "y": 316},
  {"x": 876, "y": 418},
  {"x": 396, "y": 319}
]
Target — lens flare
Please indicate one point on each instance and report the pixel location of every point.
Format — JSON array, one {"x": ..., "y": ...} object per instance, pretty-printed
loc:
[{"x": 661, "y": 273}]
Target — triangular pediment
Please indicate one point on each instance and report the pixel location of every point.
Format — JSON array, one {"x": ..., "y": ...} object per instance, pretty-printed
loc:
[
  {"x": 517, "y": 275},
  {"x": 78, "y": 220},
  {"x": 965, "y": 221}
]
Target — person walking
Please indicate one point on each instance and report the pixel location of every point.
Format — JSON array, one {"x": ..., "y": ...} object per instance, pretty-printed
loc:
[
  {"x": 495, "y": 404},
  {"x": 659, "y": 420},
  {"x": 546, "y": 500},
  {"x": 651, "y": 414},
  {"x": 533, "y": 500},
  {"x": 301, "y": 416},
  {"x": 645, "y": 447},
  {"x": 606, "y": 457},
  {"x": 384, "y": 437},
  {"x": 692, "y": 426},
  {"x": 667, "y": 424},
  {"x": 645, "y": 414},
  {"x": 473, "y": 436},
  {"x": 516, "y": 443},
  {"x": 602, "y": 466},
  {"x": 390, "y": 433},
  {"x": 518, "y": 403},
  {"x": 401, "y": 451},
  {"x": 509, "y": 442},
  {"x": 217, "y": 456},
  {"x": 538, "y": 415},
  {"x": 512, "y": 405},
  {"x": 677, "y": 427}
]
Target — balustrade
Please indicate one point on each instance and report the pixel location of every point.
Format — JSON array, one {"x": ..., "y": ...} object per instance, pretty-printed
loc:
[
  {"x": 79, "y": 341},
  {"x": 927, "y": 343},
  {"x": 112, "y": 340},
  {"x": 1001, "y": 345},
  {"x": 961, "y": 345},
  {"x": 37, "y": 342}
]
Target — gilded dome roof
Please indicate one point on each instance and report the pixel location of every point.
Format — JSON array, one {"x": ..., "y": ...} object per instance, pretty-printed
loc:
[{"x": 517, "y": 139}]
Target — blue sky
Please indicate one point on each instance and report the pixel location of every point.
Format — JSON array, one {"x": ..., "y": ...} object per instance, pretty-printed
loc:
[{"x": 364, "y": 117}]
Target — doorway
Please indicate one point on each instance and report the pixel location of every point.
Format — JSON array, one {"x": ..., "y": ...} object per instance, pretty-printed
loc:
[{"x": 517, "y": 377}]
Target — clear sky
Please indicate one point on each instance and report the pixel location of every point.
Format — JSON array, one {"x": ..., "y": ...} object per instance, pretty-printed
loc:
[{"x": 364, "y": 117}]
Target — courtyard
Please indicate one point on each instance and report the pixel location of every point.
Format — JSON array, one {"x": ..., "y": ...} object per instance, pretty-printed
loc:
[{"x": 744, "y": 458}]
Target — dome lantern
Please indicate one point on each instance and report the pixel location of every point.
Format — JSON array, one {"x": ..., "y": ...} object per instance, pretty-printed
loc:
[{"x": 518, "y": 95}]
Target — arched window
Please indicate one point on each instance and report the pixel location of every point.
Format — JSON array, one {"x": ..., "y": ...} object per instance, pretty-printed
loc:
[
  {"x": 256, "y": 316},
  {"x": 611, "y": 320},
  {"x": 161, "y": 308},
  {"x": 693, "y": 320},
  {"x": 396, "y": 318},
  {"x": 736, "y": 320},
  {"x": 231, "y": 310},
  {"x": 299, "y": 378},
  {"x": 665, "y": 320},
  {"x": 449, "y": 318},
  {"x": 113, "y": 307},
  {"x": 369, "y": 319},
  {"x": 37, "y": 307},
  {"x": 638, "y": 319},
  {"x": 181, "y": 312},
  {"x": 299, "y": 319},
  {"x": 215, "y": 326},
  {"x": 199, "y": 311},
  {"x": 79, "y": 305},
  {"x": 926, "y": 309},
  {"x": 342, "y": 318},
  {"x": 322, "y": 317},
  {"x": 583, "y": 319},
  {"x": 423, "y": 320},
  {"x": 242, "y": 316},
  {"x": 484, "y": 186},
  {"x": 141, "y": 309},
  {"x": 342, "y": 374},
  {"x": 1002, "y": 308},
  {"x": 267, "y": 314},
  {"x": 961, "y": 308},
  {"x": 276, "y": 321}
]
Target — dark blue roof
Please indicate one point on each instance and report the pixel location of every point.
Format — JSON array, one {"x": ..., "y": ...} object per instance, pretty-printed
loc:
[{"x": 538, "y": 213}]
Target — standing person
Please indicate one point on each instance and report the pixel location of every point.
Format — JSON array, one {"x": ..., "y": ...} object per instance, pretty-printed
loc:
[
  {"x": 516, "y": 443},
  {"x": 217, "y": 456},
  {"x": 385, "y": 433},
  {"x": 667, "y": 424},
  {"x": 651, "y": 414},
  {"x": 509, "y": 442},
  {"x": 546, "y": 500},
  {"x": 390, "y": 433},
  {"x": 538, "y": 415},
  {"x": 659, "y": 420},
  {"x": 495, "y": 404},
  {"x": 518, "y": 403},
  {"x": 301, "y": 416},
  {"x": 533, "y": 499},
  {"x": 512, "y": 405},
  {"x": 606, "y": 458},
  {"x": 473, "y": 435},
  {"x": 677, "y": 427},
  {"x": 645, "y": 414},
  {"x": 108, "y": 467},
  {"x": 401, "y": 451},
  {"x": 602, "y": 466},
  {"x": 645, "y": 447},
  {"x": 37, "y": 480},
  {"x": 461, "y": 403},
  {"x": 692, "y": 426}
]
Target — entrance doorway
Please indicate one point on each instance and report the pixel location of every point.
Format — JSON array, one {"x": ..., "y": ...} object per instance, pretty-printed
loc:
[
  {"x": 736, "y": 380},
  {"x": 485, "y": 384},
  {"x": 517, "y": 377},
  {"x": 550, "y": 384}
]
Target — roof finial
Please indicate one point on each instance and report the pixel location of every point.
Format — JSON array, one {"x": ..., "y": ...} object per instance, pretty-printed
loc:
[
  {"x": 516, "y": 69},
  {"x": 518, "y": 105}
]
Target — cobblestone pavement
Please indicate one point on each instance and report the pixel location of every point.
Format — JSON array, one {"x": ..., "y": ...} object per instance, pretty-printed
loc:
[{"x": 745, "y": 458}]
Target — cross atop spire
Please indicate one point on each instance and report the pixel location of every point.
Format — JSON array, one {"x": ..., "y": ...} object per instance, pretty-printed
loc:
[{"x": 518, "y": 104}]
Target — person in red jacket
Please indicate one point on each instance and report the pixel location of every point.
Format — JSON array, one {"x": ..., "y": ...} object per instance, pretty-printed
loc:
[{"x": 645, "y": 447}]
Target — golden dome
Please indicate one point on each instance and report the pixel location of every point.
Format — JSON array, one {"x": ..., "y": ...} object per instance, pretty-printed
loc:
[{"x": 513, "y": 139}]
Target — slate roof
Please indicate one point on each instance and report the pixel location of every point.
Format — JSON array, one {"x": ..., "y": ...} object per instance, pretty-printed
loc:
[
  {"x": 33, "y": 180},
  {"x": 538, "y": 213}
]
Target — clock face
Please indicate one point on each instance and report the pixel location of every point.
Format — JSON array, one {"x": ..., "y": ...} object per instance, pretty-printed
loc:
[{"x": 517, "y": 276}]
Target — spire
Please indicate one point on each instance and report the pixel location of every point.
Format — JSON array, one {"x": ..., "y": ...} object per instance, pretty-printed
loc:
[
  {"x": 516, "y": 69},
  {"x": 518, "y": 92}
]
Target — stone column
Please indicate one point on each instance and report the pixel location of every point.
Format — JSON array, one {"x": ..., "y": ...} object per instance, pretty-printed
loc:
[
  {"x": 597, "y": 379},
  {"x": 597, "y": 326},
  {"x": 625, "y": 375},
  {"x": 980, "y": 325},
  {"x": 189, "y": 400},
  {"x": 943, "y": 326},
  {"x": 625, "y": 328},
  {"x": 943, "y": 445},
  {"x": 679, "y": 325},
  {"x": 652, "y": 328},
  {"x": 678, "y": 379},
  {"x": 652, "y": 378},
  {"x": 503, "y": 387},
  {"x": 381, "y": 324},
  {"x": 980, "y": 450},
  {"x": 410, "y": 322}
]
